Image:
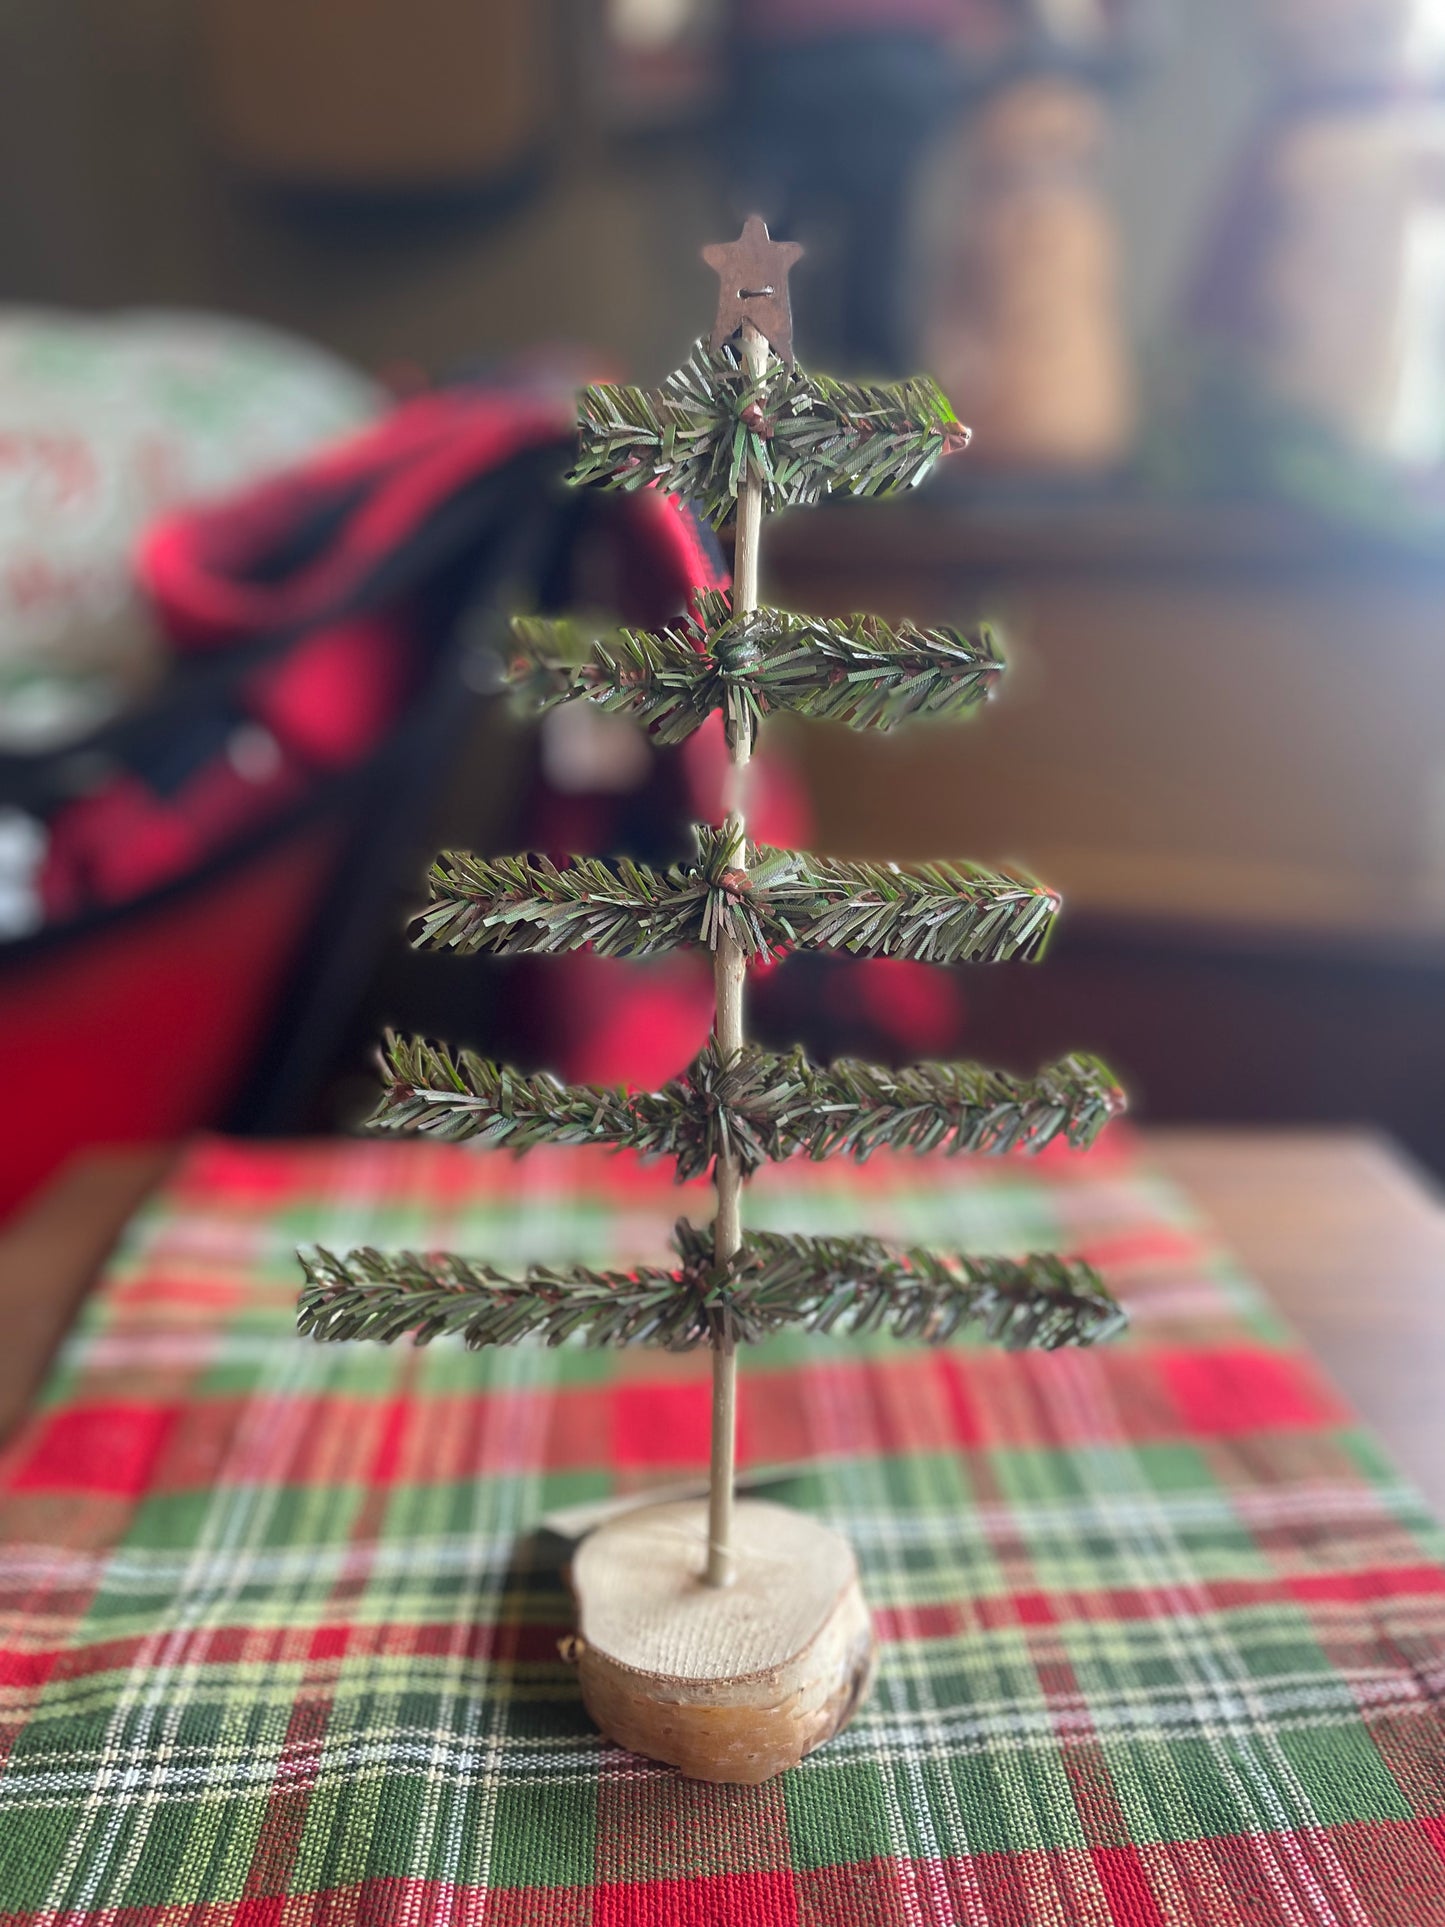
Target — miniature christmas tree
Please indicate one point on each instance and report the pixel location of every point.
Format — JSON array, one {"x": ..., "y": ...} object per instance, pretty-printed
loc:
[{"x": 729, "y": 1642}]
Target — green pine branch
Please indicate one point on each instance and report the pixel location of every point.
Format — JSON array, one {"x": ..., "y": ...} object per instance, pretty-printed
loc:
[
  {"x": 389, "y": 1295},
  {"x": 943, "y": 913},
  {"x": 516, "y": 905},
  {"x": 853, "y": 1109},
  {"x": 801, "y": 437},
  {"x": 862, "y": 1284},
  {"x": 430, "y": 1089},
  {"x": 860, "y": 670},
  {"x": 437, "y": 1092},
  {"x": 779, "y": 1280},
  {"x": 763, "y": 1105}
]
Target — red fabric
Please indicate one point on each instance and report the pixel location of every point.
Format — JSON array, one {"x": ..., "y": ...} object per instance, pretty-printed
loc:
[
  {"x": 98, "y": 1448},
  {"x": 1220, "y": 1393},
  {"x": 157, "y": 1020},
  {"x": 337, "y": 693},
  {"x": 222, "y": 574},
  {"x": 124, "y": 842},
  {"x": 198, "y": 567},
  {"x": 139, "y": 1033},
  {"x": 912, "y": 1000}
]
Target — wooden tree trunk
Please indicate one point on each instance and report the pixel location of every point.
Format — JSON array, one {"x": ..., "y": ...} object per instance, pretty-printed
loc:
[{"x": 725, "y": 1683}]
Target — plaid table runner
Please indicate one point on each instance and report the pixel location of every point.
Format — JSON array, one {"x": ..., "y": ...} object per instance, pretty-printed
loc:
[{"x": 1164, "y": 1635}]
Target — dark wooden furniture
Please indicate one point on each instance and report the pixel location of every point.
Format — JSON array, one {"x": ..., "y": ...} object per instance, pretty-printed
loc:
[
  {"x": 1348, "y": 1239},
  {"x": 1340, "y": 1229},
  {"x": 1222, "y": 737}
]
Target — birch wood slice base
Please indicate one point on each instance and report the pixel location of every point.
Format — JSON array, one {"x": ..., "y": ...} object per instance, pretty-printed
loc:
[{"x": 725, "y": 1683}]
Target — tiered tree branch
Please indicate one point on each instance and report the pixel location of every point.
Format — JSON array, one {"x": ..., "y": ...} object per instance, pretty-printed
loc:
[
  {"x": 859, "y": 671},
  {"x": 781, "y": 899},
  {"x": 800, "y": 436},
  {"x": 738, "y": 429},
  {"x": 822, "y": 1284},
  {"x": 764, "y": 1105}
]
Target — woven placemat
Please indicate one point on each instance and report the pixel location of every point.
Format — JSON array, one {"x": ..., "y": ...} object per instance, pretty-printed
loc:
[{"x": 1164, "y": 1634}]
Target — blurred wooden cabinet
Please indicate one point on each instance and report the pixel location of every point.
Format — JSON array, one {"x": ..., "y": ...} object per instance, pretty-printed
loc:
[
  {"x": 1222, "y": 736},
  {"x": 378, "y": 94}
]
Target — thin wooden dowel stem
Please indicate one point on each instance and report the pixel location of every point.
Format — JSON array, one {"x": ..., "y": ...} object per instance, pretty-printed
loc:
[{"x": 729, "y": 974}]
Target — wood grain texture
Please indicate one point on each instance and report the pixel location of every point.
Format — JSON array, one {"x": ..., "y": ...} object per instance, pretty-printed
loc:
[
  {"x": 50, "y": 1255},
  {"x": 1348, "y": 1239},
  {"x": 726, "y": 1683}
]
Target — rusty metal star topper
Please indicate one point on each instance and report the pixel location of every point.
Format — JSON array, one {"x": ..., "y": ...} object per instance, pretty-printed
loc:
[{"x": 753, "y": 273}]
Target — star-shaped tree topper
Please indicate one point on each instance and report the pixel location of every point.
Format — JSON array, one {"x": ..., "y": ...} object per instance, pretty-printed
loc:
[{"x": 753, "y": 271}]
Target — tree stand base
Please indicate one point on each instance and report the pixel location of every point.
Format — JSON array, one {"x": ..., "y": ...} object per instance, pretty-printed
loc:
[{"x": 725, "y": 1683}]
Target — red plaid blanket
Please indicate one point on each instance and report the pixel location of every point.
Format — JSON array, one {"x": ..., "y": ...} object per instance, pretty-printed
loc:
[{"x": 1164, "y": 1636}]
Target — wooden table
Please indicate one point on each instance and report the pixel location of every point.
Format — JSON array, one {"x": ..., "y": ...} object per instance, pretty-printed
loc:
[{"x": 1346, "y": 1236}]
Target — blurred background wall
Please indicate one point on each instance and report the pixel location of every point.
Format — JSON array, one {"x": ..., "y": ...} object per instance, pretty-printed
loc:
[
  {"x": 120, "y": 186},
  {"x": 1183, "y": 268}
]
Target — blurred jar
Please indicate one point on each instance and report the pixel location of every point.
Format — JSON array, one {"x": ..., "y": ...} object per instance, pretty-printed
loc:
[
  {"x": 1326, "y": 268},
  {"x": 1344, "y": 45},
  {"x": 378, "y": 95},
  {"x": 1019, "y": 260},
  {"x": 1351, "y": 294}
]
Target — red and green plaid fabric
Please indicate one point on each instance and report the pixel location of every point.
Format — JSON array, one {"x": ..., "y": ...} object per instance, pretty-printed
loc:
[{"x": 1163, "y": 1633}]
